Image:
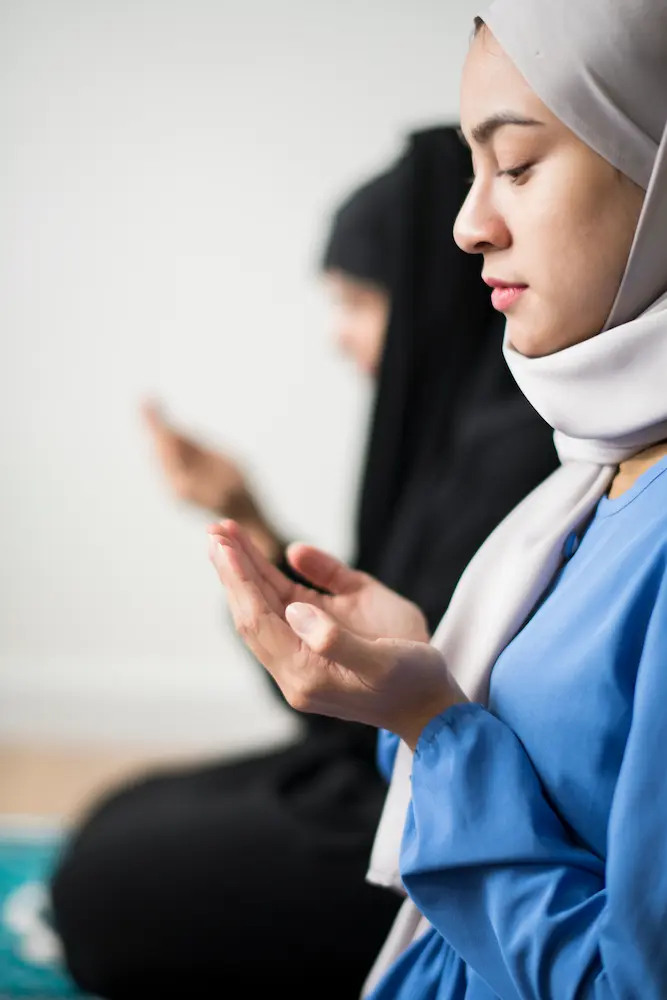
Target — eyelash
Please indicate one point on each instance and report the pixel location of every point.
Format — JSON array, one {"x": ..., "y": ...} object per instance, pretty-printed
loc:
[{"x": 514, "y": 174}]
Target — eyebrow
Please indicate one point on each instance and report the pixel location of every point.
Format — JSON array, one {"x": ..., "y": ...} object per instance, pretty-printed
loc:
[{"x": 485, "y": 131}]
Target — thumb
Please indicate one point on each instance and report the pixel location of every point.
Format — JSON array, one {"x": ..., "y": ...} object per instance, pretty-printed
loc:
[
  {"x": 325, "y": 636},
  {"x": 323, "y": 570}
]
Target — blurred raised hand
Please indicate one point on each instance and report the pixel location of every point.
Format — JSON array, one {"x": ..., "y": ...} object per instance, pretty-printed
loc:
[{"x": 208, "y": 479}]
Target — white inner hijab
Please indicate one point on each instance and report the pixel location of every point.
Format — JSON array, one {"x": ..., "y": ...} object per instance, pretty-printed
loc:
[{"x": 601, "y": 67}]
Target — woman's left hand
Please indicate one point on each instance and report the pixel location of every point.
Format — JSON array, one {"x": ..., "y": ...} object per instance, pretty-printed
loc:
[{"x": 321, "y": 666}]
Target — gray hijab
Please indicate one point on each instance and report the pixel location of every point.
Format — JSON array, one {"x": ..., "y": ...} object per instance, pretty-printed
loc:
[{"x": 601, "y": 67}]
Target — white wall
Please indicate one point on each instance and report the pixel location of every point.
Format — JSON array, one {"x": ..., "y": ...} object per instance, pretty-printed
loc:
[{"x": 165, "y": 170}]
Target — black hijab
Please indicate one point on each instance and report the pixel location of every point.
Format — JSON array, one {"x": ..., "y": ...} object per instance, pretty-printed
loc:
[
  {"x": 363, "y": 239},
  {"x": 453, "y": 444}
]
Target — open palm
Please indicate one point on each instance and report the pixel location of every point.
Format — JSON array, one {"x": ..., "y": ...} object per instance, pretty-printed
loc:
[
  {"x": 359, "y": 652},
  {"x": 355, "y": 600}
]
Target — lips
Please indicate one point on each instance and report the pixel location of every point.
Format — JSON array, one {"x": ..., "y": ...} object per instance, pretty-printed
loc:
[
  {"x": 503, "y": 298},
  {"x": 504, "y": 293}
]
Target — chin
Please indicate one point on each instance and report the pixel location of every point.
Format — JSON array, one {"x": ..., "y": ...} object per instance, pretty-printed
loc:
[
  {"x": 532, "y": 339},
  {"x": 525, "y": 341}
]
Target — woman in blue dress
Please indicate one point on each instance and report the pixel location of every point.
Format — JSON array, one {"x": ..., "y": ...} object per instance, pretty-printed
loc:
[{"x": 526, "y": 819}]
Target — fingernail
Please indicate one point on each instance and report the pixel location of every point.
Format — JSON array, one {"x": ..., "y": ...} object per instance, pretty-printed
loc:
[{"x": 302, "y": 617}]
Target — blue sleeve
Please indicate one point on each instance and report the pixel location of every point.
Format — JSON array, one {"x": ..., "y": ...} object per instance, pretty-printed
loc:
[
  {"x": 387, "y": 747},
  {"x": 535, "y": 915}
]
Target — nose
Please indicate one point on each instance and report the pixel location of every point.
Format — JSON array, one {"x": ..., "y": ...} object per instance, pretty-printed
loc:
[{"x": 479, "y": 227}]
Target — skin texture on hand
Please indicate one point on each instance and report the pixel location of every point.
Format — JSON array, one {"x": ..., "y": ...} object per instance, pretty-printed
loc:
[{"x": 359, "y": 653}]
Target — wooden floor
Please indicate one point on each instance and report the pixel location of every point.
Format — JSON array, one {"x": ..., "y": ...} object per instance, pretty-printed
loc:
[{"x": 59, "y": 782}]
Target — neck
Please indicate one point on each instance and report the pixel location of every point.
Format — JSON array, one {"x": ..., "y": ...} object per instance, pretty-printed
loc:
[{"x": 630, "y": 470}]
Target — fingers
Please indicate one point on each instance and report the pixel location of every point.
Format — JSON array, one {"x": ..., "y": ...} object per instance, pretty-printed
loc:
[
  {"x": 245, "y": 565},
  {"x": 283, "y": 587},
  {"x": 152, "y": 413},
  {"x": 156, "y": 423},
  {"x": 233, "y": 575},
  {"x": 324, "y": 636},
  {"x": 168, "y": 446},
  {"x": 274, "y": 584},
  {"x": 323, "y": 570},
  {"x": 297, "y": 671},
  {"x": 263, "y": 630}
]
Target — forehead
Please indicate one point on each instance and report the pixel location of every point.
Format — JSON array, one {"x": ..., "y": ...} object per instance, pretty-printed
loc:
[{"x": 491, "y": 84}]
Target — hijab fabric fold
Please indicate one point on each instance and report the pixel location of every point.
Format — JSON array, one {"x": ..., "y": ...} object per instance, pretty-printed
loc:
[{"x": 601, "y": 67}]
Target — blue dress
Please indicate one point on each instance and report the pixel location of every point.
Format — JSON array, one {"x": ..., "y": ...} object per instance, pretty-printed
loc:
[{"x": 536, "y": 840}]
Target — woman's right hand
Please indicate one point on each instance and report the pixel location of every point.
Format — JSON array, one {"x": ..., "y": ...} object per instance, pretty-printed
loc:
[
  {"x": 359, "y": 653},
  {"x": 354, "y": 599},
  {"x": 196, "y": 474}
]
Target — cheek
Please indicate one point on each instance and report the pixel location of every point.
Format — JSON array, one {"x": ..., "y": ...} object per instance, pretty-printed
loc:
[
  {"x": 597, "y": 238},
  {"x": 352, "y": 337},
  {"x": 577, "y": 241},
  {"x": 568, "y": 254}
]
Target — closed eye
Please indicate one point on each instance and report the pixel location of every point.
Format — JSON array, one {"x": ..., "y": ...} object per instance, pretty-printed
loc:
[{"x": 515, "y": 172}]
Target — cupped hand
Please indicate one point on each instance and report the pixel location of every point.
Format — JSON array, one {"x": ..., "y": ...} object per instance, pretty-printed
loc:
[{"x": 359, "y": 652}]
